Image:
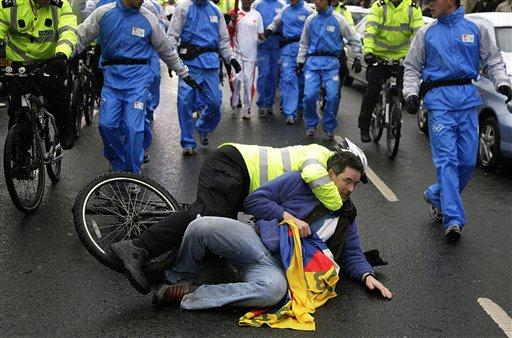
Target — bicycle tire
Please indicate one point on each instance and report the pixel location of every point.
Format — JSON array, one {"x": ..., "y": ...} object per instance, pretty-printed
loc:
[
  {"x": 88, "y": 106},
  {"x": 376, "y": 125},
  {"x": 394, "y": 128},
  {"x": 36, "y": 156},
  {"x": 84, "y": 207},
  {"x": 52, "y": 169},
  {"x": 76, "y": 107}
]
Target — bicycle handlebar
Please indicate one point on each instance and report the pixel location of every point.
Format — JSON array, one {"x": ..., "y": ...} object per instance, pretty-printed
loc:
[
  {"x": 383, "y": 62},
  {"x": 24, "y": 70}
]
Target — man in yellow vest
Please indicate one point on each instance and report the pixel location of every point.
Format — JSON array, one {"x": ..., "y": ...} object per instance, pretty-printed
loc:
[
  {"x": 37, "y": 31},
  {"x": 390, "y": 27},
  {"x": 225, "y": 180}
]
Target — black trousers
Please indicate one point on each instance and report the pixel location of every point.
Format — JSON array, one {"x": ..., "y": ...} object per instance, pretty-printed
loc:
[
  {"x": 53, "y": 90},
  {"x": 375, "y": 75},
  {"x": 223, "y": 187}
]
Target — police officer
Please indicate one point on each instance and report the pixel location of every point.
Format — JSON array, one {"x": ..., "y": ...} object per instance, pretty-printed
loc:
[
  {"x": 199, "y": 31},
  {"x": 446, "y": 56},
  {"x": 128, "y": 36},
  {"x": 320, "y": 47},
  {"x": 36, "y": 31},
  {"x": 226, "y": 178},
  {"x": 268, "y": 57},
  {"x": 291, "y": 19},
  {"x": 390, "y": 26}
]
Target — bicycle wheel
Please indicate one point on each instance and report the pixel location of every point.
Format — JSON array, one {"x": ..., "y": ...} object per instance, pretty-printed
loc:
[
  {"x": 76, "y": 106},
  {"x": 376, "y": 123},
  {"x": 88, "y": 94},
  {"x": 53, "y": 166},
  {"x": 23, "y": 168},
  {"x": 119, "y": 206},
  {"x": 395, "y": 124}
]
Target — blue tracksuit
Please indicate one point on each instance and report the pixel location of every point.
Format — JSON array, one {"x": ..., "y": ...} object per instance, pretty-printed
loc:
[
  {"x": 268, "y": 55},
  {"x": 201, "y": 24},
  {"x": 126, "y": 34},
  {"x": 291, "y": 19},
  {"x": 323, "y": 33},
  {"x": 450, "y": 49},
  {"x": 290, "y": 193}
]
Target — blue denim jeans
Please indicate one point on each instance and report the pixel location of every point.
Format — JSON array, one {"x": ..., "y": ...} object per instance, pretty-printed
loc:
[{"x": 263, "y": 279}]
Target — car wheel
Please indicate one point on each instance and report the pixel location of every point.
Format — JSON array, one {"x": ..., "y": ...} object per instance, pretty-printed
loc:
[{"x": 489, "y": 154}]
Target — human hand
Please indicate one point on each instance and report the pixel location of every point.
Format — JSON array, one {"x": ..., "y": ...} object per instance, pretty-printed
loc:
[
  {"x": 372, "y": 283},
  {"x": 302, "y": 227},
  {"x": 370, "y": 59},
  {"x": 507, "y": 91},
  {"x": 267, "y": 33},
  {"x": 57, "y": 65},
  {"x": 170, "y": 72},
  {"x": 356, "y": 66},
  {"x": 235, "y": 65},
  {"x": 412, "y": 104},
  {"x": 192, "y": 83}
]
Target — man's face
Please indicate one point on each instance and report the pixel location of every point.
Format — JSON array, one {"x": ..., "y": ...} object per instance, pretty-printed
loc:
[
  {"x": 246, "y": 3},
  {"x": 335, "y": 3},
  {"x": 346, "y": 182},
  {"x": 321, "y": 5},
  {"x": 293, "y": 2},
  {"x": 441, "y": 7}
]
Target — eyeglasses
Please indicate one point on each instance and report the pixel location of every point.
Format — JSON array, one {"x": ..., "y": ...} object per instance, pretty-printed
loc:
[{"x": 349, "y": 181}]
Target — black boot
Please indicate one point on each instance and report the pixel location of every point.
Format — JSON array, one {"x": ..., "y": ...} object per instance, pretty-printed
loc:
[
  {"x": 67, "y": 138},
  {"x": 365, "y": 136},
  {"x": 133, "y": 259}
]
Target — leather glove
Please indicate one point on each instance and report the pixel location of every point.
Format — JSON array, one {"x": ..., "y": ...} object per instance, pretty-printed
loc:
[
  {"x": 507, "y": 91},
  {"x": 235, "y": 65},
  {"x": 57, "y": 65},
  {"x": 412, "y": 104},
  {"x": 370, "y": 59},
  {"x": 356, "y": 66},
  {"x": 300, "y": 66},
  {"x": 192, "y": 83},
  {"x": 267, "y": 33},
  {"x": 169, "y": 70}
]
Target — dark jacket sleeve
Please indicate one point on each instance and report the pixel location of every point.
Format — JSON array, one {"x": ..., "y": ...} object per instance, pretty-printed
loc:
[{"x": 353, "y": 261}]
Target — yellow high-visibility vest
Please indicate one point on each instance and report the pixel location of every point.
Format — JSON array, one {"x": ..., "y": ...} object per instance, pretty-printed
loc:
[{"x": 266, "y": 163}]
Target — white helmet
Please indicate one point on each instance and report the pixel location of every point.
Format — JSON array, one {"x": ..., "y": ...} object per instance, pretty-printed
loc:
[{"x": 346, "y": 145}]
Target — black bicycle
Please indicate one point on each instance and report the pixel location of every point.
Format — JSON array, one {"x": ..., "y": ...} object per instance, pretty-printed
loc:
[
  {"x": 388, "y": 111},
  {"x": 31, "y": 143},
  {"x": 83, "y": 93}
]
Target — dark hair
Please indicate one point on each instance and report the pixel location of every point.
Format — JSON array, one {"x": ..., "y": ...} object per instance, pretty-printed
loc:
[{"x": 339, "y": 161}]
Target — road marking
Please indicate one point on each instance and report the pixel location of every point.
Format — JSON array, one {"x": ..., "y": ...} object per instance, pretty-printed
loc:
[
  {"x": 377, "y": 181},
  {"x": 497, "y": 314}
]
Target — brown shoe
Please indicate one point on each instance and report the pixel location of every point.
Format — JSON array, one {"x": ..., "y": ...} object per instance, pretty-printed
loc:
[{"x": 168, "y": 294}]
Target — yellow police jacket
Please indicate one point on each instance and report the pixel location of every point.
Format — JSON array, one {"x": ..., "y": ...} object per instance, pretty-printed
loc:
[
  {"x": 390, "y": 29},
  {"x": 266, "y": 163},
  {"x": 34, "y": 33},
  {"x": 342, "y": 9}
]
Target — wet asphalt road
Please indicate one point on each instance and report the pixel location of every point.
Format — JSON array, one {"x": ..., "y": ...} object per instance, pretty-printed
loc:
[{"x": 51, "y": 286}]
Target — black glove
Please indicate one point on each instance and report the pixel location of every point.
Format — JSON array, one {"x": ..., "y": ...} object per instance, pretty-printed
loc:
[
  {"x": 192, "y": 83},
  {"x": 507, "y": 91},
  {"x": 412, "y": 104},
  {"x": 373, "y": 257},
  {"x": 235, "y": 65},
  {"x": 370, "y": 59},
  {"x": 300, "y": 66},
  {"x": 169, "y": 70},
  {"x": 56, "y": 65},
  {"x": 356, "y": 66},
  {"x": 267, "y": 33}
]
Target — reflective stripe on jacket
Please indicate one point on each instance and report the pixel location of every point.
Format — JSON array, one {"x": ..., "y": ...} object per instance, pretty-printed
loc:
[
  {"x": 389, "y": 29},
  {"x": 266, "y": 163},
  {"x": 37, "y": 34}
]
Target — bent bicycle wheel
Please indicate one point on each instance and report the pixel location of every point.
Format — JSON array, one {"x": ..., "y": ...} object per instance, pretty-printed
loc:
[
  {"x": 119, "y": 206},
  {"x": 23, "y": 168},
  {"x": 394, "y": 128}
]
